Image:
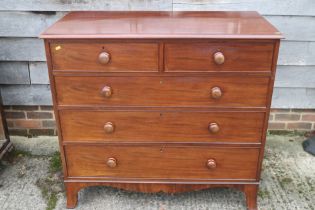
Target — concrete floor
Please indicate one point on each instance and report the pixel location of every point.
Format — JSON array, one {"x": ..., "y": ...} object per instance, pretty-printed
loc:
[{"x": 288, "y": 182}]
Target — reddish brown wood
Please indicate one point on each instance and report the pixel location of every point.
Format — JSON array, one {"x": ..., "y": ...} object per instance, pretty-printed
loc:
[
  {"x": 109, "y": 127},
  {"x": 214, "y": 127},
  {"x": 216, "y": 92},
  {"x": 160, "y": 126},
  {"x": 166, "y": 188},
  {"x": 72, "y": 190},
  {"x": 144, "y": 25},
  {"x": 238, "y": 56},
  {"x": 250, "y": 192},
  {"x": 149, "y": 187},
  {"x": 188, "y": 91},
  {"x": 107, "y": 91},
  {"x": 211, "y": 164},
  {"x": 123, "y": 57},
  {"x": 269, "y": 98},
  {"x": 103, "y": 57},
  {"x": 162, "y": 162},
  {"x": 219, "y": 57},
  {"x": 111, "y": 162},
  {"x": 140, "y": 97},
  {"x": 75, "y": 187},
  {"x": 54, "y": 99}
]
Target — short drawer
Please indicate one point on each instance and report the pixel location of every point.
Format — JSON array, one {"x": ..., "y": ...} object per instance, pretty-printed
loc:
[
  {"x": 218, "y": 56},
  {"x": 214, "y": 91},
  {"x": 162, "y": 126},
  {"x": 161, "y": 162},
  {"x": 105, "y": 57}
]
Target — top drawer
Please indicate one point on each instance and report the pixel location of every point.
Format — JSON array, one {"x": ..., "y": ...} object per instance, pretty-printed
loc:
[
  {"x": 107, "y": 57},
  {"x": 218, "y": 56}
]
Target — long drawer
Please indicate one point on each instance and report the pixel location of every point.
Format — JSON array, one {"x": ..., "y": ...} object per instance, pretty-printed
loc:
[
  {"x": 218, "y": 56},
  {"x": 183, "y": 91},
  {"x": 161, "y": 162},
  {"x": 105, "y": 57},
  {"x": 161, "y": 126}
]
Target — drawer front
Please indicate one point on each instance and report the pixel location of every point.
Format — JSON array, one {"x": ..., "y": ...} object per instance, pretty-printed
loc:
[
  {"x": 159, "y": 126},
  {"x": 107, "y": 57},
  {"x": 218, "y": 56},
  {"x": 161, "y": 162},
  {"x": 163, "y": 91}
]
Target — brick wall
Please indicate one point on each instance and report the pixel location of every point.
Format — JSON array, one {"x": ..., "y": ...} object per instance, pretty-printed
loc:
[
  {"x": 39, "y": 120},
  {"x": 30, "y": 120},
  {"x": 292, "y": 119}
]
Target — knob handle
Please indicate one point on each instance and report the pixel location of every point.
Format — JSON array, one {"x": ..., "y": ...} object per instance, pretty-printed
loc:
[
  {"x": 218, "y": 58},
  {"x": 107, "y": 91},
  {"x": 111, "y": 162},
  {"x": 109, "y": 127},
  {"x": 216, "y": 92},
  {"x": 214, "y": 128},
  {"x": 211, "y": 164},
  {"x": 104, "y": 58}
]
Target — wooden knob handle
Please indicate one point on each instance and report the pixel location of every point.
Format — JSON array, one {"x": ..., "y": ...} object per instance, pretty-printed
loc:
[
  {"x": 111, "y": 162},
  {"x": 104, "y": 58},
  {"x": 216, "y": 92},
  {"x": 214, "y": 128},
  {"x": 218, "y": 58},
  {"x": 109, "y": 127},
  {"x": 211, "y": 164},
  {"x": 107, "y": 91}
]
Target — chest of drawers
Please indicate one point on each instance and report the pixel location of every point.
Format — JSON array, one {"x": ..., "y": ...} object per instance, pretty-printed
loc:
[{"x": 162, "y": 101}]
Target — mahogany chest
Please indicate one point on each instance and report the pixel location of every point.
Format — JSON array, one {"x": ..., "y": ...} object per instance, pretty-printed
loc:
[{"x": 162, "y": 101}]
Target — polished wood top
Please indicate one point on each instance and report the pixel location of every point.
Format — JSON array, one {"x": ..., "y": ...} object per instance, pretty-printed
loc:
[{"x": 142, "y": 25}]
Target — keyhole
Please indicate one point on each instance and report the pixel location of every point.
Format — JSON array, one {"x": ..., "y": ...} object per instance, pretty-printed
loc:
[{"x": 162, "y": 149}]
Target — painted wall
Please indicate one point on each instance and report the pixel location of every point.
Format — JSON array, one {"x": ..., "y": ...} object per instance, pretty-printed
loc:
[{"x": 23, "y": 71}]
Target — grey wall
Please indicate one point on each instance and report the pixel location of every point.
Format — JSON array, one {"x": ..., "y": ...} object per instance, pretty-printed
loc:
[{"x": 23, "y": 72}]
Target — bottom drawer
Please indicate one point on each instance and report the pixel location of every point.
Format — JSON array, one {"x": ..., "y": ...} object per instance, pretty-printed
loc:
[{"x": 161, "y": 162}]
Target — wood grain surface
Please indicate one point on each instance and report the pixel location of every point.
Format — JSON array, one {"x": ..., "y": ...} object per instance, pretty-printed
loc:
[
  {"x": 145, "y": 24},
  {"x": 161, "y": 126},
  {"x": 163, "y": 91},
  {"x": 123, "y": 57},
  {"x": 161, "y": 162},
  {"x": 162, "y": 98},
  {"x": 239, "y": 56}
]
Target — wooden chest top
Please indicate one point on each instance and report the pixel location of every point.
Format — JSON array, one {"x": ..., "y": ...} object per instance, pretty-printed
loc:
[{"x": 141, "y": 25}]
